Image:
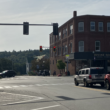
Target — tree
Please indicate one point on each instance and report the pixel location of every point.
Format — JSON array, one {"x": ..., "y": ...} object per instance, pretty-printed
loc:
[{"x": 60, "y": 65}]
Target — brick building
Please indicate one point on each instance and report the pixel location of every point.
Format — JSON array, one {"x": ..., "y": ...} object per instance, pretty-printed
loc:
[{"x": 86, "y": 39}]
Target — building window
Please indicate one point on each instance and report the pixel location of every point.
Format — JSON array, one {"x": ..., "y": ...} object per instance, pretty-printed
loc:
[
  {"x": 81, "y": 26},
  {"x": 81, "y": 46},
  {"x": 66, "y": 49},
  {"x": 53, "y": 38},
  {"x": 53, "y": 61},
  {"x": 71, "y": 49},
  {"x": 108, "y": 27},
  {"x": 100, "y": 26},
  {"x": 92, "y": 26},
  {"x": 97, "y": 45},
  {"x": 64, "y": 32},
  {"x": 71, "y": 29},
  {"x": 59, "y": 35},
  {"x": 56, "y": 60}
]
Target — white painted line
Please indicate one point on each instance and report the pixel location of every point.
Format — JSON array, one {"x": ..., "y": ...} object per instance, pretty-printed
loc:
[
  {"x": 30, "y": 85},
  {"x": 1, "y": 87},
  {"x": 46, "y": 107},
  {"x": 45, "y": 84},
  {"x": 19, "y": 94},
  {"x": 39, "y": 98},
  {"x": 39, "y": 85},
  {"x": 15, "y": 86},
  {"x": 23, "y": 85},
  {"x": 53, "y": 84},
  {"x": 7, "y": 87}
]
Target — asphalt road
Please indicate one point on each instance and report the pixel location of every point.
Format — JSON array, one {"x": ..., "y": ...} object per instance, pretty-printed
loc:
[{"x": 50, "y": 93}]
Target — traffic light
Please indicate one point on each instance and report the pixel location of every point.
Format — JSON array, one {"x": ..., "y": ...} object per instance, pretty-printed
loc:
[
  {"x": 55, "y": 28},
  {"x": 40, "y": 48},
  {"x": 25, "y": 28},
  {"x": 54, "y": 48}
]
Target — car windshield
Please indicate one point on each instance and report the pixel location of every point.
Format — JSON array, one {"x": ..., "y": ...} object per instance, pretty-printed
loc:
[{"x": 97, "y": 71}]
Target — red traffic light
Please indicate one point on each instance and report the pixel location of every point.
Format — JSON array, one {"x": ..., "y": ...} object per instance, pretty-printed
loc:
[
  {"x": 54, "y": 48},
  {"x": 40, "y": 48}
]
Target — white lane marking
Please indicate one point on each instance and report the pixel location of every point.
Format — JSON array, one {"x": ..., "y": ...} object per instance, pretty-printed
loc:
[
  {"x": 45, "y": 84},
  {"x": 15, "y": 86},
  {"x": 39, "y": 84},
  {"x": 23, "y": 85},
  {"x": 30, "y": 85},
  {"x": 7, "y": 87},
  {"x": 38, "y": 98},
  {"x": 19, "y": 94},
  {"x": 1, "y": 87},
  {"x": 46, "y": 107},
  {"x": 53, "y": 84}
]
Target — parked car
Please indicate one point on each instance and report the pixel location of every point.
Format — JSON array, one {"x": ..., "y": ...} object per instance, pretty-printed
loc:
[
  {"x": 90, "y": 76},
  {"x": 107, "y": 81},
  {"x": 46, "y": 73},
  {"x": 8, "y": 73},
  {"x": 40, "y": 73}
]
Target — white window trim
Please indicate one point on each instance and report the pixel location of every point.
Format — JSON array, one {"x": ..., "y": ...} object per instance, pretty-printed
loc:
[
  {"x": 99, "y": 28},
  {"x": 71, "y": 29},
  {"x": 92, "y": 25},
  {"x": 108, "y": 26},
  {"x": 81, "y": 46},
  {"x": 80, "y": 25},
  {"x": 59, "y": 35},
  {"x": 95, "y": 46}
]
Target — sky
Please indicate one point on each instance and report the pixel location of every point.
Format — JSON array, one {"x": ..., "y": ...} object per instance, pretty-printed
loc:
[{"x": 40, "y": 12}]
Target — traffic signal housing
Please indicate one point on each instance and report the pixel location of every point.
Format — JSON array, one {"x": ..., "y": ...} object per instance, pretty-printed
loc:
[
  {"x": 40, "y": 48},
  {"x": 55, "y": 28},
  {"x": 54, "y": 49},
  {"x": 25, "y": 28}
]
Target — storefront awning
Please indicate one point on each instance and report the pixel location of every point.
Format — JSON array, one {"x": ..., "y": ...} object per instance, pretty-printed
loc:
[{"x": 89, "y": 55}]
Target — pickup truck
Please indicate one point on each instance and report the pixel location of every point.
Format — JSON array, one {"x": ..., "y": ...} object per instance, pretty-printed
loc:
[{"x": 107, "y": 81}]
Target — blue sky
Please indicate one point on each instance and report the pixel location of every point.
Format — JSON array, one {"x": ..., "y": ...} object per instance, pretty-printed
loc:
[{"x": 40, "y": 12}]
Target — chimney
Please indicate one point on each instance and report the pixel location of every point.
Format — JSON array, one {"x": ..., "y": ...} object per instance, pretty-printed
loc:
[{"x": 74, "y": 13}]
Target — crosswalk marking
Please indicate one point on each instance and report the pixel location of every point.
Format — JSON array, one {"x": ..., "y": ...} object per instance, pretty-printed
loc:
[
  {"x": 23, "y": 85},
  {"x": 15, "y": 86},
  {"x": 7, "y": 87}
]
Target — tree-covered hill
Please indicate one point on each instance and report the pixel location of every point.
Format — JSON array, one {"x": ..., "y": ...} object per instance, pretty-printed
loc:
[
  {"x": 18, "y": 59},
  {"x": 20, "y": 56}
]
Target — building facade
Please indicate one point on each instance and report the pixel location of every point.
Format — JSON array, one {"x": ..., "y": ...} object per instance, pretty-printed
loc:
[{"x": 86, "y": 39}]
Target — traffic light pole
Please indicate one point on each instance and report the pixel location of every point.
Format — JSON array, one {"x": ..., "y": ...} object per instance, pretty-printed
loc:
[
  {"x": 29, "y": 24},
  {"x": 26, "y": 27}
]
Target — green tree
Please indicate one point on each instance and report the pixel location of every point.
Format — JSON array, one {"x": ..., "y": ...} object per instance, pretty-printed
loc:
[{"x": 60, "y": 65}]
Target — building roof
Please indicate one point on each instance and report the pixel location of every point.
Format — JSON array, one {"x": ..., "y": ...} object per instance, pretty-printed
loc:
[{"x": 39, "y": 57}]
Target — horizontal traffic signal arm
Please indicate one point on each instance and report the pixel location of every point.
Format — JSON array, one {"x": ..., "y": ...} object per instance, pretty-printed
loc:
[{"x": 26, "y": 27}]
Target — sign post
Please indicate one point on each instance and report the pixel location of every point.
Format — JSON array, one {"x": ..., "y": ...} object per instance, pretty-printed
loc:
[{"x": 67, "y": 56}]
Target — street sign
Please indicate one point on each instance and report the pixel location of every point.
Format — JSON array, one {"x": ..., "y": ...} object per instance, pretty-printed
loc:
[{"x": 67, "y": 56}]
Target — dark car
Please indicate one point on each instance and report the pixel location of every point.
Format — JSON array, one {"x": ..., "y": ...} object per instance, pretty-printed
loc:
[
  {"x": 8, "y": 73},
  {"x": 46, "y": 73},
  {"x": 40, "y": 73}
]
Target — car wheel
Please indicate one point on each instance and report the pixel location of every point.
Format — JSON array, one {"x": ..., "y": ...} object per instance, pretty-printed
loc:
[
  {"x": 85, "y": 83},
  {"x": 91, "y": 85},
  {"x": 107, "y": 85},
  {"x": 76, "y": 83},
  {"x": 102, "y": 84}
]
